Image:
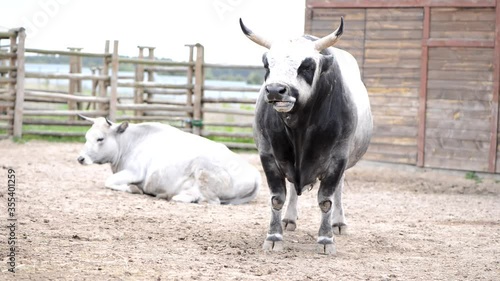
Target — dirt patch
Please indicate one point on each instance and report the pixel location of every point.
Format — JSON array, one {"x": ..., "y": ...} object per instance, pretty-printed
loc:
[{"x": 404, "y": 224}]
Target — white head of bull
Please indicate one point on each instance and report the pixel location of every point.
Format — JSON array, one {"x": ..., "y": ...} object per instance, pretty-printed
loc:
[
  {"x": 312, "y": 122},
  {"x": 293, "y": 67},
  {"x": 100, "y": 145}
]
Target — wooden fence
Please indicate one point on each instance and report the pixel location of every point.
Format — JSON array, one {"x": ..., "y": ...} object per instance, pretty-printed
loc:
[
  {"x": 11, "y": 81},
  {"x": 29, "y": 109},
  {"x": 432, "y": 69}
]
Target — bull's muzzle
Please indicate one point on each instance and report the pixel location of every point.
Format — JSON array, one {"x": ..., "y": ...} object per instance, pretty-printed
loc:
[
  {"x": 81, "y": 160},
  {"x": 275, "y": 91},
  {"x": 279, "y": 96}
]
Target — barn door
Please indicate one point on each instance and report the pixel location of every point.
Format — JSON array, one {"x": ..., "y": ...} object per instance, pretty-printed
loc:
[{"x": 459, "y": 88}]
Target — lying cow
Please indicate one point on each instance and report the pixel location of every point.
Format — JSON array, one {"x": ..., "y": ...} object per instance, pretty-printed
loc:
[
  {"x": 312, "y": 121},
  {"x": 163, "y": 161}
]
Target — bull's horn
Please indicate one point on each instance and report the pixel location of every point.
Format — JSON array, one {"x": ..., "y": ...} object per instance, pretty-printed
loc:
[
  {"x": 108, "y": 121},
  {"x": 87, "y": 118},
  {"x": 330, "y": 39},
  {"x": 254, "y": 37}
]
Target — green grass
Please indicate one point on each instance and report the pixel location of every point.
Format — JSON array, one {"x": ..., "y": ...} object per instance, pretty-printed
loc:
[
  {"x": 54, "y": 128},
  {"x": 230, "y": 139},
  {"x": 227, "y": 129},
  {"x": 28, "y": 137},
  {"x": 248, "y": 107},
  {"x": 473, "y": 176},
  {"x": 82, "y": 129}
]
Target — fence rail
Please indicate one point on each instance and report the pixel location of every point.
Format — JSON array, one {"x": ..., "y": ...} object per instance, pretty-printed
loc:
[{"x": 27, "y": 109}]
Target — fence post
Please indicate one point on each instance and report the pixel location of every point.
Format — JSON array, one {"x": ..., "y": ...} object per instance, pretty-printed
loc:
[
  {"x": 113, "y": 98},
  {"x": 151, "y": 78},
  {"x": 198, "y": 90},
  {"x": 139, "y": 77},
  {"x": 12, "y": 74},
  {"x": 189, "y": 91},
  {"x": 104, "y": 84},
  {"x": 94, "y": 86},
  {"x": 19, "y": 103},
  {"x": 74, "y": 84}
]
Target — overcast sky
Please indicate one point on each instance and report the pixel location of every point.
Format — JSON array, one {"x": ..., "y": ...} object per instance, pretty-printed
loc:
[{"x": 167, "y": 25}]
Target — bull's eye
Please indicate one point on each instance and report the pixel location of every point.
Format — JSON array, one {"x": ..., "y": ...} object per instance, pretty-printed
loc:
[
  {"x": 306, "y": 70},
  {"x": 100, "y": 139}
]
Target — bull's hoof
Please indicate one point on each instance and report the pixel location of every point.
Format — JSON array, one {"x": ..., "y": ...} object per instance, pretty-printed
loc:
[
  {"x": 326, "y": 245},
  {"x": 289, "y": 225},
  {"x": 339, "y": 228},
  {"x": 134, "y": 189},
  {"x": 276, "y": 246},
  {"x": 165, "y": 196},
  {"x": 326, "y": 249}
]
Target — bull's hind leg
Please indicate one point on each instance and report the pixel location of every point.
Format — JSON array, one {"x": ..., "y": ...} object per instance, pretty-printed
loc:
[
  {"x": 339, "y": 223},
  {"x": 326, "y": 192},
  {"x": 186, "y": 197},
  {"x": 289, "y": 222},
  {"x": 212, "y": 182}
]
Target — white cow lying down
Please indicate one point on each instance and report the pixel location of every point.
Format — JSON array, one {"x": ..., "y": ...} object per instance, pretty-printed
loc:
[{"x": 163, "y": 161}]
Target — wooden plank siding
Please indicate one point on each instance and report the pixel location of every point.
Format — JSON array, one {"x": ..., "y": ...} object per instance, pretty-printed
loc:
[
  {"x": 495, "y": 124},
  {"x": 386, "y": 43},
  {"x": 431, "y": 68},
  {"x": 458, "y": 119},
  {"x": 325, "y": 21}
]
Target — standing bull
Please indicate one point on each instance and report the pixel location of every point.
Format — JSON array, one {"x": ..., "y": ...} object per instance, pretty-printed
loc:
[
  {"x": 163, "y": 161},
  {"x": 313, "y": 121}
]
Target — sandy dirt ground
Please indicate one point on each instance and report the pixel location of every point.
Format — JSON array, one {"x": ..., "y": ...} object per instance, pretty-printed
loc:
[{"x": 404, "y": 224}]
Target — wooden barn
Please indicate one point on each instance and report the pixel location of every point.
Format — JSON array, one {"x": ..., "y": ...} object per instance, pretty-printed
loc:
[{"x": 432, "y": 70}]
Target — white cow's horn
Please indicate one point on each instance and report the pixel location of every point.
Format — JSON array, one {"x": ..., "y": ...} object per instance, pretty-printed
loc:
[
  {"x": 254, "y": 37},
  {"x": 331, "y": 38},
  {"x": 87, "y": 118}
]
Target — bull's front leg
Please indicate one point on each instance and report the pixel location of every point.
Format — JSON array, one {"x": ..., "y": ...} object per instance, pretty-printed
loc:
[
  {"x": 325, "y": 201},
  {"x": 122, "y": 181},
  {"x": 276, "y": 182}
]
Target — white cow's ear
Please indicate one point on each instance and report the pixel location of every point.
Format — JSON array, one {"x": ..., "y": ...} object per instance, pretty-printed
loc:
[{"x": 123, "y": 126}]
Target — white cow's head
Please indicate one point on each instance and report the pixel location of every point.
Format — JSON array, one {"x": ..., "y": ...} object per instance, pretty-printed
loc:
[
  {"x": 293, "y": 66},
  {"x": 101, "y": 145}
]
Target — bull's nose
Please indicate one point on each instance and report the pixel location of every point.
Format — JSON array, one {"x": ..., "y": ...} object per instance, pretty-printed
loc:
[
  {"x": 81, "y": 159},
  {"x": 275, "y": 90}
]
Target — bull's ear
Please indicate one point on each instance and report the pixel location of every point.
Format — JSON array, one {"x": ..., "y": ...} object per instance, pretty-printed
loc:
[
  {"x": 326, "y": 62},
  {"x": 123, "y": 126}
]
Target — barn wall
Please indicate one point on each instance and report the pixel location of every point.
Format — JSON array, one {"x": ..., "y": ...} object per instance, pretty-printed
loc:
[
  {"x": 430, "y": 69},
  {"x": 459, "y": 90}
]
